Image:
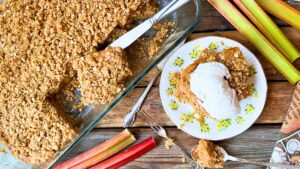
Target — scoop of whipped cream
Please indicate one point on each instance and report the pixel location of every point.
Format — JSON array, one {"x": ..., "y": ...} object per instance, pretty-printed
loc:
[{"x": 208, "y": 82}]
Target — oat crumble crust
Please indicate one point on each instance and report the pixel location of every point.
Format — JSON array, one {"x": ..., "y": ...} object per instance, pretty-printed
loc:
[
  {"x": 39, "y": 40},
  {"x": 236, "y": 63},
  {"x": 240, "y": 72}
]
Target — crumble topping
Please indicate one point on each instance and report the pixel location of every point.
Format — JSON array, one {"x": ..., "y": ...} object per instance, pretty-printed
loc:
[
  {"x": 102, "y": 75},
  {"x": 39, "y": 41},
  {"x": 240, "y": 71}
]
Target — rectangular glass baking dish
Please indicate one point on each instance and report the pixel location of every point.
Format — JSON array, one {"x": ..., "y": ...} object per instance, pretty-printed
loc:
[{"x": 185, "y": 19}]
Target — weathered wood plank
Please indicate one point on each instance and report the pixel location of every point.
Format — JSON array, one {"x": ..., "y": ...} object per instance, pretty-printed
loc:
[
  {"x": 279, "y": 96},
  {"x": 256, "y": 144},
  {"x": 270, "y": 71},
  {"x": 212, "y": 20}
]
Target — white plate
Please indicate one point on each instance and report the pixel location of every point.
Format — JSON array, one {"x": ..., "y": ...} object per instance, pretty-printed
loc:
[{"x": 212, "y": 129}]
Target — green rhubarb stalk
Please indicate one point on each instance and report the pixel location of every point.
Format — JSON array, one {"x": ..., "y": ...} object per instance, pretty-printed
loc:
[
  {"x": 257, "y": 39},
  {"x": 119, "y": 139},
  {"x": 105, "y": 154},
  {"x": 282, "y": 10},
  {"x": 268, "y": 28}
]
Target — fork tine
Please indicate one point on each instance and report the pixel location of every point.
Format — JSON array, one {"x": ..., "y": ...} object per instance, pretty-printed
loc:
[
  {"x": 145, "y": 114},
  {"x": 150, "y": 120},
  {"x": 159, "y": 130},
  {"x": 156, "y": 131},
  {"x": 156, "y": 127},
  {"x": 149, "y": 117}
]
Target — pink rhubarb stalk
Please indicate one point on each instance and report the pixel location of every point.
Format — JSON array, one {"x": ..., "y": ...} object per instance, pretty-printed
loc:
[
  {"x": 100, "y": 152},
  {"x": 127, "y": 156}
]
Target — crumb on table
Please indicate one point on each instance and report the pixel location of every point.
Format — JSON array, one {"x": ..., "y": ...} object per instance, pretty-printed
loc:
[{"x": 168, "y": 143}]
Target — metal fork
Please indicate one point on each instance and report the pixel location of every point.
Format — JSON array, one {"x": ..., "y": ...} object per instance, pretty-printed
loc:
[{"x": 159, "y": 130}]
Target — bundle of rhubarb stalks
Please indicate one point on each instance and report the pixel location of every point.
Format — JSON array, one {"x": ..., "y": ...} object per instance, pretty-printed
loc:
[
  {"x": 267, "y": 37},
  {"x": 107, "y": 156},
  {"x": 263, "y": 33}
]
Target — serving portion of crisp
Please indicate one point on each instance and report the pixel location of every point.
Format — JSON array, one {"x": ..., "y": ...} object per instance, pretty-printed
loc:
[
  {"x": 40, "y": 42},
  {"x": 237, "y": 66},
  {"x": 102, "y": 75}
]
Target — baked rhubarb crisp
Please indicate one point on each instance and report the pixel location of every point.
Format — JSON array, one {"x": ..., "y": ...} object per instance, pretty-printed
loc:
[
  {"x": 48, "y": 46},
  {"x": 102, "y": 75},
  {"x": 236, "y": 63}
]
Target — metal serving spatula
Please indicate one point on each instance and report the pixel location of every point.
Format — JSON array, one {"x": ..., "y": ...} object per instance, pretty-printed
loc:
[
  {"x": 128, "y": 38},
  {"x": 131, "y": 36}
]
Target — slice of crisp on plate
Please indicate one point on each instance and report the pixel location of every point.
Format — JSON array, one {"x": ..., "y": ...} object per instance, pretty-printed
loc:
[{"x": 213, "y": 88}]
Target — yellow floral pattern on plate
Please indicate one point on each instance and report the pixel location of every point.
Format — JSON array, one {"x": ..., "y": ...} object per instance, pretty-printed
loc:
[
  {"x": 187, "y": 117},
  {"x": 204, "y": 128},
  {"x": 253, "y": 91},
  {"x": 223, "y": 124},
  {"x": 196, "y": 52},
  {"x": 173, "y": 105},
  {"x": 178, "y": 61},
  {"x": 213, "y": 46},
  {"x": 172, "y": 79},
  {"x": 240, "y": 120},
  {"x": 250, "y": 109}
]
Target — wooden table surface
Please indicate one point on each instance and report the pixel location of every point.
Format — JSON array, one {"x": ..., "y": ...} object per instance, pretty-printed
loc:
[{"x": 256, "y": 143}]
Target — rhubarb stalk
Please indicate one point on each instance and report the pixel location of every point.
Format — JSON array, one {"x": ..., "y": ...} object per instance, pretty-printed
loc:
[
  {"x": 257, "y": 39},
  {"x": 120, "y": 138},
  {"x": 268, "y": 28},
  {"x": 127, "y": 156},
  {"x": 105, "y": 154},
  {"x": 282, "y": 10}
]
